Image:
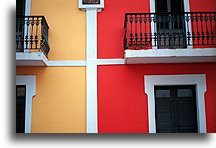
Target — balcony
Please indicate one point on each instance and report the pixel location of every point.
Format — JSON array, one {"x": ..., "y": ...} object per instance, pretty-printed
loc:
[
  {"x": 32, "y": 45},
  {"x": 169, "y": 37}
]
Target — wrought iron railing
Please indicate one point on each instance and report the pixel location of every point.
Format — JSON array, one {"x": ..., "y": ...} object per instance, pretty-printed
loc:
[
  {"x": 169, "y": 30},
  {"x": 90, "y": 2},
  {"x": 32, "y": 34}
]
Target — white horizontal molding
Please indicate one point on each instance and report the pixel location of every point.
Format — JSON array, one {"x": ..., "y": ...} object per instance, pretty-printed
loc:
[
  {"x": 31, "y": 59},
  {"x": 66, "y": 63},
  {"x": 170, "y": 55},
  {"x": 105, "y": 62},
  {"x": 110, "y": 61},
  {"x": 171, "y": 52},
  {"x": 83, "y": 62}
]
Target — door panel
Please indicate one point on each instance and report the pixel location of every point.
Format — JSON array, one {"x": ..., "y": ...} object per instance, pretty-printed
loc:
[{"x": 177, "y": 113}]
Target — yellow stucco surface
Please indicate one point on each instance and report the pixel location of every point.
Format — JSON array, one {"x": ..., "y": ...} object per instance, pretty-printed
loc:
[
  {"x": 59, "y": 104},
  {"x": 66, "y": 28}
]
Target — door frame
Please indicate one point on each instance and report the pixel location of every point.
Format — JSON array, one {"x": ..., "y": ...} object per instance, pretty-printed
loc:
[
  {"x": 199, "y": 80},
  {"x": 27, "y": 13},
  {"x": 30, "y": 82}
]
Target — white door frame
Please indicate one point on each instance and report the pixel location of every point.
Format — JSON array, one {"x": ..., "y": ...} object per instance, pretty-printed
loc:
[
  {"x": 30, "y": 82},
  {"x": 199, "y": 80}
]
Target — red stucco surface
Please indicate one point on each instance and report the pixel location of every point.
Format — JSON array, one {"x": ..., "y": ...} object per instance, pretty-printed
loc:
[{"x": 122, "y": 103}]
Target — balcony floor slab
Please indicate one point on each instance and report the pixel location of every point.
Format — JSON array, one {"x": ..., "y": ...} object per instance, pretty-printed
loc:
[
  {"x": 193, "y": 55},
  {"x": 31, "y": 59}
]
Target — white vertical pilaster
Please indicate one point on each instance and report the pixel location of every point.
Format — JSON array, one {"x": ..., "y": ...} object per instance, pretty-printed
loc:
[
  {"x": 91, "y": 70},
  {"x": 91, "y": 99},
  {"x": 91, "y": 31}
]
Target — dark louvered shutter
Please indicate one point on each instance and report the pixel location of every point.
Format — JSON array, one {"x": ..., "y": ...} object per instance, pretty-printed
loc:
[{"x": 175, "y": 109}]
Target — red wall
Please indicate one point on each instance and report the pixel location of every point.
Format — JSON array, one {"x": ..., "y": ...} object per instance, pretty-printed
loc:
[
  {"x": 111, "y": 22},
  {"x": 111, "y": 25},
  {"x": 202, "y": 5},
  {"x": 122, "y": 104}
]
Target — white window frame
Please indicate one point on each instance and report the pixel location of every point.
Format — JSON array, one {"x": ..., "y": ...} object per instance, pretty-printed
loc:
[
  {"x": 27, "y": 13},
  {"x": 199, "y": 80},
  {"x": 30, "y": 82}
]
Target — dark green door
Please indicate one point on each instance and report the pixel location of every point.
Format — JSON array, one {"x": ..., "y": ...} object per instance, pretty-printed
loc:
[{"x": 175, "y": 109}]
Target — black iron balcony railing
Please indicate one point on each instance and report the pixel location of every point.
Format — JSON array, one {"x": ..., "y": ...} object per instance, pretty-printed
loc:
[
  {"x": 90, "y": 2},
  {"x": 32, "y": 34},
  {"x": 169, "y": 30}
]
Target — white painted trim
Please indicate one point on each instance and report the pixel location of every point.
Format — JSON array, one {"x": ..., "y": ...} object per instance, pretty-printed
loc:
[
  {"x": 110, "y": 61},
  {"x": 91, "y": 99},
  {"x": 186, "y": 5},
  {"x": 187, "y": 9},
  {"x": 153, "y": 25},
  {"x": 66, "y": 63},
  {"x": 171, "y": 53},
  {"x": 170, "y": 56},
  {"x": 160, "y": 80},
  {"x": 27, "y": 57},
  {"x": 91, "y": 32},
  {"x": 152, "y": 6},
  {"x": 91, "y": 71},
  {"x": 27, "y": 13},
  {"x": 31, "y": 59},
  {"x": 28, "y": 8},
  {"x": 30, "y": 82}
]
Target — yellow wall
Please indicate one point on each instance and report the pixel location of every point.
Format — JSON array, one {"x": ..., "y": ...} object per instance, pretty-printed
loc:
[
  {"x": 59, "y": 104},
  {"x": 66, "y": 28}
]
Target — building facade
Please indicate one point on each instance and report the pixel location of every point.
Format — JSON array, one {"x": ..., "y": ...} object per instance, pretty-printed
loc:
[{"x": 107, "y": 66}]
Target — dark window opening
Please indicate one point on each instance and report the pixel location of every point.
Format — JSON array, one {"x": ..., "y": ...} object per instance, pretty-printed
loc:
[
  {"x": 20, "y": 11},
  {"x": 171, "y": 28},
  {"x": 20, "y": 7},
  {"x": 20, "y": 108}
]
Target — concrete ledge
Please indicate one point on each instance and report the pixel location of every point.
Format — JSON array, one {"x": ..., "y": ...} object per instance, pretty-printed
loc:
[
  {"x": 170, "y": 56},
  {"x": 31, "y": 59}
]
